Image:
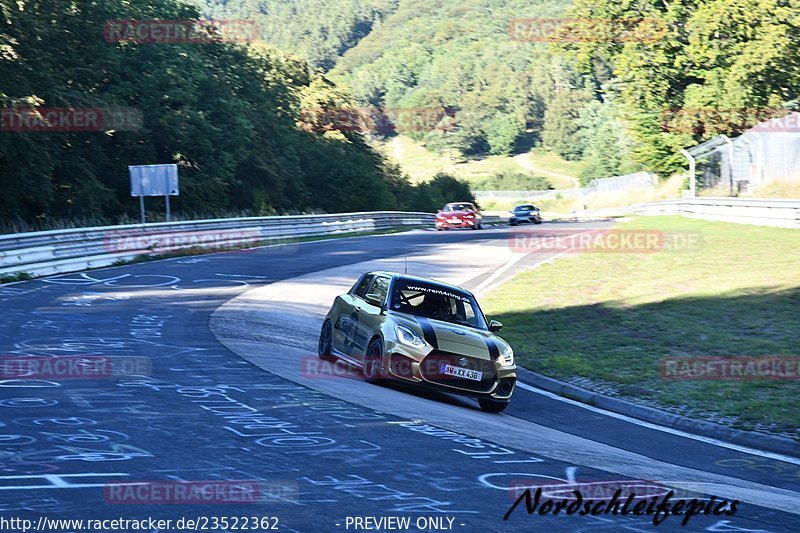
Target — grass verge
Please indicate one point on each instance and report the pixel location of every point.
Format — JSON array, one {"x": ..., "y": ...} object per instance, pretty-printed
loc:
[
  {"x": 605, "y": 320},
  {"x": 11, "y": 278},
  {"x": 421, "y": 164}
]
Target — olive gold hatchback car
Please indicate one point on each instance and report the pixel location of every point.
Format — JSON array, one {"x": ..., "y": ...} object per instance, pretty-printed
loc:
[{"x": 415, "y": 330}]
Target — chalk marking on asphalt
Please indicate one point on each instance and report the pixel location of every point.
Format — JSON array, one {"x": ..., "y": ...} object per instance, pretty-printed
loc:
[
  {"x": 649, "y": 425},
  {"x": 497, "y": 273},
  {"x": 511, "y": 262},
  {"x": 57, "y": 481},
  {"x": 514, "y": 260}
]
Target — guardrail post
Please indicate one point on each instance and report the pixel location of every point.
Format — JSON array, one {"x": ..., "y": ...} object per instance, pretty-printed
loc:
[
  {"x": 730, "y": 160},
  {"x": 692, "y": 176}
]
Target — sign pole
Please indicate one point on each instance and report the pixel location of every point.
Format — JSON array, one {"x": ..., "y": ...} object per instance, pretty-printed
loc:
[
  {"x": 166, "y": 193},
  {"x": 141, "y": 206}
]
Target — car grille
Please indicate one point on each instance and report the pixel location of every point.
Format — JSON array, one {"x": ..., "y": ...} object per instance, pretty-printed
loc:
[{"x": 432, "y": 364}]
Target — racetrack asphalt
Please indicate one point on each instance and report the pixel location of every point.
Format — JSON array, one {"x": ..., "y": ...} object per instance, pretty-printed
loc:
[{"x": 338, "y": 447}]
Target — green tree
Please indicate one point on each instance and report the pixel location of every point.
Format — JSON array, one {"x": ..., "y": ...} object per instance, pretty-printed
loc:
[
  {"x": 716, "y": 55},
  {"x": 228, "y": 115},
  {"x": 502, "y": 132},
  {"x": 602, "y": 140},
  {"x": 443, "y": 188},
  {"x": 560, "y": 132}
]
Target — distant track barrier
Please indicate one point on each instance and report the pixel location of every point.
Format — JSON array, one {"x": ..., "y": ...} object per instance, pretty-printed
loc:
[
  {"x": 45, "y": 253},
  {"x": 759, "y": 212}
]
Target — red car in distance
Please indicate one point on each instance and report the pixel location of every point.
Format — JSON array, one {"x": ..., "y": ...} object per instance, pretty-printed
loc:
[{"x": 459, "y": 215}]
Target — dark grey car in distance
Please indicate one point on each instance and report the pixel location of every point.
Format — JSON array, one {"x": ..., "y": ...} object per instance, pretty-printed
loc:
[{"x": 526, "y": 213}]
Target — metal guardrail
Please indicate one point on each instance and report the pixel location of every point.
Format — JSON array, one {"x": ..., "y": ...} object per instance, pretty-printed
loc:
[
  {"x": 760, "y": 212},
  {"x": 70, "y": 250}
]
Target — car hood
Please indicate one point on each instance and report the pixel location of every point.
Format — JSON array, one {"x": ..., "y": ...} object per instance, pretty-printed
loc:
[{"x": 454, "y": 338}]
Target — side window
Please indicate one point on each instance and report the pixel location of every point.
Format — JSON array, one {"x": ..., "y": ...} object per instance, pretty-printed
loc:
[
  {"x": 380, "y": 287},
  {"x": 361, "y": 288}
]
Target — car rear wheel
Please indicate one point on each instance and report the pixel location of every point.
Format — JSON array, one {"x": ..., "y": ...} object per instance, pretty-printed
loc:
[
  {"x": 492, "y": 406},
  {"x": 325, "y": 339},
  {"x": 372, "y": 362}
]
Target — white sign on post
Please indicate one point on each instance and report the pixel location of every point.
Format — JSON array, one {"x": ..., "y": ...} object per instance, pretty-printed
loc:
[{"x": 154, "y": 180}]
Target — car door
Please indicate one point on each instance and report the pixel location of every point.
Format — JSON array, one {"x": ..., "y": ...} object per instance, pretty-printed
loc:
[
  {"x": 345, "y": 322},
  {"x": 370, "y": 316}
]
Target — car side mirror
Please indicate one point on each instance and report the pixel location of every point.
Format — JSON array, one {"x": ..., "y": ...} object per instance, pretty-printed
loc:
[
  {"x": 374, "y": 299},
  {"x": 494, "y": 325}
]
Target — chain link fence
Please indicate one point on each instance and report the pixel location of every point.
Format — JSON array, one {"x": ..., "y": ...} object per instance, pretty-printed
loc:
[{"x": 768, "y": 152}]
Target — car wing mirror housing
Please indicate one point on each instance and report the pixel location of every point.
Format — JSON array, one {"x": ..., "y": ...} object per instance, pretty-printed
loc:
[
  {"x": 494, "y": 325},
  {"x": 374, "y": 299}
]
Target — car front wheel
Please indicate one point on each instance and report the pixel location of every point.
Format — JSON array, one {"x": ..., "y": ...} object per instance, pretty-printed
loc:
[
  {"x": 372, "y": 362},
  {"x": 325, "y": 338},
  {"x": 492, "y": 406}
]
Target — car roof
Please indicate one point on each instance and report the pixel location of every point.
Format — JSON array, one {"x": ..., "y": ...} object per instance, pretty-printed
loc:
[{"x": 409, "y": 277}]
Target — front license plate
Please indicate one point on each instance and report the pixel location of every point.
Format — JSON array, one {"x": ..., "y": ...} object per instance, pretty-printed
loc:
[{"x": 464, "y": 373}]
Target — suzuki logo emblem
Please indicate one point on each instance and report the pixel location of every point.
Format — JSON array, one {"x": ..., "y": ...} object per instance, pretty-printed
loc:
[{"x": 463, "y": 361}]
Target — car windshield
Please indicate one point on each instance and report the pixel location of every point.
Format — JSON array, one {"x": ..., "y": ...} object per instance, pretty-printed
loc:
[
  {"x": 449, "y": 208},
  {"x": 437, "y": 302},
  {"x": 524, "y": 208}
]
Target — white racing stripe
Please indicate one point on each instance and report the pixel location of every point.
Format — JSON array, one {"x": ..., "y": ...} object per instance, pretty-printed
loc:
[{"x": 649, "y": 425}]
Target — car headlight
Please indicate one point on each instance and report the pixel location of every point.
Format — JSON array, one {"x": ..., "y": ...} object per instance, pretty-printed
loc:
[
  {"x": 408, "y": 337},
  {"x": 508, "y": 357}
]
